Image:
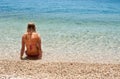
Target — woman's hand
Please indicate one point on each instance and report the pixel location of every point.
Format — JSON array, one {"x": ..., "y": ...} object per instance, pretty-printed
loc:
[{"x": 21, "y": 57}]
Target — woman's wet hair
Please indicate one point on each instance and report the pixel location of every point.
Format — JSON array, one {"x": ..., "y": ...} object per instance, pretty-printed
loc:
[{"x": 31, "y": 26}]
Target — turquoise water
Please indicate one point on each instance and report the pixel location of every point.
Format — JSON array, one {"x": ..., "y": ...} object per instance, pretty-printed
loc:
[{"x": 75, "y": 30}]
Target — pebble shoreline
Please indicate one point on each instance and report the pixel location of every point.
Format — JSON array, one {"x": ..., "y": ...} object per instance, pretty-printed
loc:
[{"x": 10, "y": 69}]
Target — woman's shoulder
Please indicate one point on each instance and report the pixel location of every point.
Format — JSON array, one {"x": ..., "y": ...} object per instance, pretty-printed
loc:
[
  {"x": 36, "y": 34},
  {"x": 24, "y": 35}
]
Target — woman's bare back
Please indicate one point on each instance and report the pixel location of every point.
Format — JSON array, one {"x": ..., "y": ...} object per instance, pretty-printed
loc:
[{"x": 32, "y": 43}]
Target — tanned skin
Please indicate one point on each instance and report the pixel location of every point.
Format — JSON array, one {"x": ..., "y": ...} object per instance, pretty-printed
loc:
[{"x": 32, "y": 41}]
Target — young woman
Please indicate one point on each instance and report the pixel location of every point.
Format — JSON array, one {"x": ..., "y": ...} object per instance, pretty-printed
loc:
[{"x": 32, "y": 41}]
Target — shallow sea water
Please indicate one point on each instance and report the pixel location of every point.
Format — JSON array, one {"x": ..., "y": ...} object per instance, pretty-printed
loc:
[{"x": 79, "y": 30}]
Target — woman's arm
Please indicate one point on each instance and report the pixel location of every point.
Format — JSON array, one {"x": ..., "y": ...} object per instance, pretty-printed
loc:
[
  {"x": 39, "y": 47},
  {"x": 22, "y": 48}
]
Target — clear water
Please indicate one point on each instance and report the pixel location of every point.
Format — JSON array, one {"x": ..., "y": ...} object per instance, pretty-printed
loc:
[{"x": 75, "y": 30}]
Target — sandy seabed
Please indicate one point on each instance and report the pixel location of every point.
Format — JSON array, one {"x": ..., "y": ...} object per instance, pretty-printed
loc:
[{"x": 34, "y": 69}]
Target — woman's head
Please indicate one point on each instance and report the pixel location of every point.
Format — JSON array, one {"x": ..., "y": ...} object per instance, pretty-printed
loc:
[{"x": 31, "y": 27}]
